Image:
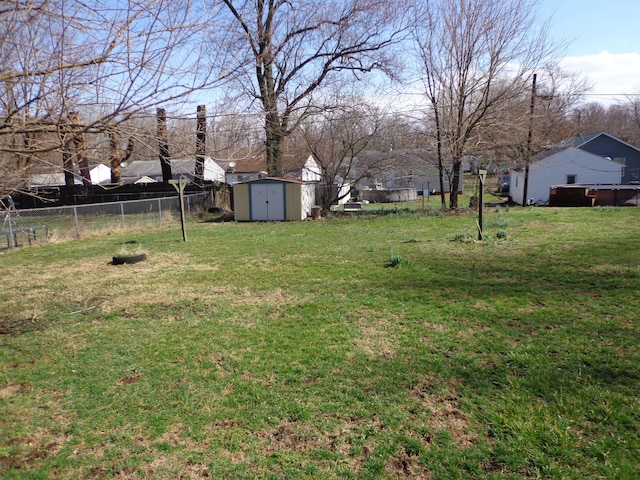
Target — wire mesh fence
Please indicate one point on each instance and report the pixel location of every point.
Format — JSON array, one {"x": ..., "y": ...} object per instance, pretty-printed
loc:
[{"x": 37, "y": 226}]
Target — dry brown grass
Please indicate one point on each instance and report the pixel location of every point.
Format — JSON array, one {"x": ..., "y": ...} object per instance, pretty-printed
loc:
[
  {"x": 95, "y": 285},
  {"x": 375, "y": 333},
  {"x": 445, "y": 413}
]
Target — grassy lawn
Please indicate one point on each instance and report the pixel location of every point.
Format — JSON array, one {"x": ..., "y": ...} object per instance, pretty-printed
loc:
[{"x": 363, "y": 346}]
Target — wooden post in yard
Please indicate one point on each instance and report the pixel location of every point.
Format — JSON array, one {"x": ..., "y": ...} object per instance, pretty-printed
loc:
[
  {"x": 179, "y": 186},
  {"x": 482, "y": 174},
  {"x": 163, "y": 145}
]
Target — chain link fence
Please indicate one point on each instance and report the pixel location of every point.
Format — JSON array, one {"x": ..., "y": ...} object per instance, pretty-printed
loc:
[{"x": 37, "y": 226}]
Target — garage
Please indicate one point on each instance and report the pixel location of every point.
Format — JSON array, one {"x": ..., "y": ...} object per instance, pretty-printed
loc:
[{"x": 273, "y": 199}]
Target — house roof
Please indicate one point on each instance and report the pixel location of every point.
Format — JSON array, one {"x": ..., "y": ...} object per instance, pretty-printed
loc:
[
  {"x": 425, "y": 159},
  {"x": 555, "y": 150},
  {"x": 582, "y": 140},
  {"x": 152, "y": 168},
  {"x": 274, "y": 180},
  {"x": 293, "y": 163},
  {"x": 578, "y": 141},
  {"x": 244, "y": 165},
  {"x": 575, "y": 142}
]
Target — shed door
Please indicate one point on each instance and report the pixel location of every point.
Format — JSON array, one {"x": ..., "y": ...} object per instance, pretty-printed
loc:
[{"x": 267, "y": 201}]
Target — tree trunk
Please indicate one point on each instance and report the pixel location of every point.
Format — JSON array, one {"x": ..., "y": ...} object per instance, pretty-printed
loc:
[
  {"x": 116, "y": 159},
  {"x": 274, "y": 145},
  {"x": 201, "y": 142},
  {"x": 456, "y": 178},
  {"x": 439, "y": 153},
  {"x": 80, "y": 152},
  {"x": 163, "y": 145},
  {"x": 67, "y": 156}
]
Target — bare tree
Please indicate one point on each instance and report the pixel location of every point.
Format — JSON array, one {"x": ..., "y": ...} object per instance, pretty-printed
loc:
[
  {"x": 523, "y": 130},
  {"x": 105, "y": 60},
  {"x": 621, "y": 120},
  {"x": 474, "y": 55},
  {"x": 337, "y": 137},
  {"x": 287, "y": 51}
]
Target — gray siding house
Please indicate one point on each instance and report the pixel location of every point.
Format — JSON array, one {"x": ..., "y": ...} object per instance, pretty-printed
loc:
[
  {"x": 398, "y": 169},
  {"x": 608, "y": 146}
]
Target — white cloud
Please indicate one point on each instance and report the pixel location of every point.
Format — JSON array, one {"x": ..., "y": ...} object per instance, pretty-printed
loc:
[{"x": 611, "y": 74}]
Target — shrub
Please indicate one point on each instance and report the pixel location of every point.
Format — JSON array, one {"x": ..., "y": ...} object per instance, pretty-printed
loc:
[{"x": 396, "y": 261}]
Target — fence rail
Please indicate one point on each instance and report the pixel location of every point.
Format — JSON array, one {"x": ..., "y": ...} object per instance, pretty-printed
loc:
[{"x": 78, "y": 221}]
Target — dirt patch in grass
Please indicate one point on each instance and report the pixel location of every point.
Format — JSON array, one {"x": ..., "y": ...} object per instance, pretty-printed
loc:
[
  {"x": 29, "y": 451},
  {"x": 376, "y": 336},
  {"x": 129, "y": 379},
  {"x": 10, "y": 389},
  {"x": 288, "y": 436},
  {"x": 405, "y": 465},
  {"x": 436, "y": 327},
  {"x": 164, "y": 455},
  {"x": 445, "y": 413}
]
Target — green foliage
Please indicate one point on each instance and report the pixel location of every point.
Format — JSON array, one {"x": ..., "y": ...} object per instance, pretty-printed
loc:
[
  {"x": 396, "y": 260},
  {"x": 289, "y": 350},
  {"x": 500, "y": 222},
  {"x": 462, "y": 238}
]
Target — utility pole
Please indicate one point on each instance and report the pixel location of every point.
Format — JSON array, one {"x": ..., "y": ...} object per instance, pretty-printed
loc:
[
  {"x": 201, "y": 142},
  {"x": 529, "y": 141}
]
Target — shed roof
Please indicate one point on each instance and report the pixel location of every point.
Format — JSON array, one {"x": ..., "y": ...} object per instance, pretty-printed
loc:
[{"x": 274, "y": 180}]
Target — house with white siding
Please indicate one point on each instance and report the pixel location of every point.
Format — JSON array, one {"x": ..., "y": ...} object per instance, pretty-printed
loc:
[
  {"x": 98, "y": 174},
  {"x": 180, "y": 168},
  {"x": 562, "y": 166}
]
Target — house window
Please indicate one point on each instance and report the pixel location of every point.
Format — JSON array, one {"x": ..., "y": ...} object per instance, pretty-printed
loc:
[{"x": 571, "y": 179}]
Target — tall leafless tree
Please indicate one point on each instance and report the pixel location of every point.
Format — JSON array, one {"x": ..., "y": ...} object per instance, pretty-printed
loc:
[
  {"x": 288, "y": 50},
  {"x": 473, "y": 56}
]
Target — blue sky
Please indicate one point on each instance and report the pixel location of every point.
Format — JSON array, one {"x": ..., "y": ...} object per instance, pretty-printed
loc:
[{"x": 603, "y": 43}]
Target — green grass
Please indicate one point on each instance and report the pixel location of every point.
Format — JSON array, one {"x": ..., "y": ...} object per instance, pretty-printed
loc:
[{"x": 292, "y": 350}]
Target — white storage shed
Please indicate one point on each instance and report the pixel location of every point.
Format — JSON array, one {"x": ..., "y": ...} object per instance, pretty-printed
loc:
[{"x": 273, "y": 199}]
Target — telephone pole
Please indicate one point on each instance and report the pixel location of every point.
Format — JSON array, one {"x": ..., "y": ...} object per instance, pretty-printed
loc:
[{"x": 529, "y": 141}]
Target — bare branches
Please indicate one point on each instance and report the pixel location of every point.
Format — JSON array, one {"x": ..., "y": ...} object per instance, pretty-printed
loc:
[
  {"x": 106, "y": 60},
  {"x": 296, "y": 48},
  {"x": 474, "y": 56}
]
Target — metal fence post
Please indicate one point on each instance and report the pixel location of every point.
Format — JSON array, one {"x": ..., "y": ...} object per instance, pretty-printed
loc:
[
  {"x": 122, "y": 213},
  {"x": 75, "y": 217},
  {"x": 12, "y": 239}
]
